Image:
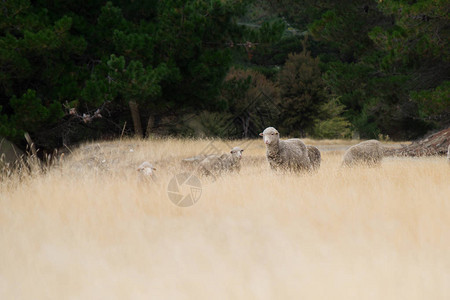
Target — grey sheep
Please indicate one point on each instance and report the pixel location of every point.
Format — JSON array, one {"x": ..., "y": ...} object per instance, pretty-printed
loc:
[
  {"x": 369, "y": 153},
  {"x": 285, "y": 155},
  {"x": 194, "y": 161},
  {"x": 215, "y": 164},
  {"x": 314, "y": 157}
]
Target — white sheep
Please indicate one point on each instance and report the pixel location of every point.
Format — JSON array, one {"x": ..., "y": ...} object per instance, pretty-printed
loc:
[
  {"x": 147, "y": 171},
  {"x": 215, "y": 164},
  {"x": 368, "y": 153},
  {"x": 314, "y": 157},
  {"x": 285, "y": 155}
]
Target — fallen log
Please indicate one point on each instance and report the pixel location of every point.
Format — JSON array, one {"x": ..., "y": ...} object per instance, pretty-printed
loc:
[{"x": 434, "y": 144}]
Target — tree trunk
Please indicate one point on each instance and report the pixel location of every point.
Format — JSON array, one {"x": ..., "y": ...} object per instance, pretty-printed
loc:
[
  {"x": 246, "y": 126},
  {"x": 31, "y": 144},
  {"x": 245, "y": 120},
  {"x": 136, "y": 118},
  {"x": 150, "y": 123}
]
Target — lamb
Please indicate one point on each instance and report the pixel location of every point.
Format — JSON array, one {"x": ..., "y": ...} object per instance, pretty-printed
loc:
[
  {"x": 368, "y": 153},
  {"x": 314, "y": 157},
  {"x": 232, "y": 162},
  {"x": 285, "y": 155},
  {"x": 215, "y": 164}
]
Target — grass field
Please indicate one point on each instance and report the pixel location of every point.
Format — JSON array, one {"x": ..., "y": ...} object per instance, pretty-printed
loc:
[{"x": 90, "y": 228}]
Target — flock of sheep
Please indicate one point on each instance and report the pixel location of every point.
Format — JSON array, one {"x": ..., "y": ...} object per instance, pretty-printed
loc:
[{"x": 290, "y": 155}]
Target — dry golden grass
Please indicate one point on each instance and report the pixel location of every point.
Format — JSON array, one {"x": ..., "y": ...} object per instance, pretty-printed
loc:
[{"x": 90, "y": 229}]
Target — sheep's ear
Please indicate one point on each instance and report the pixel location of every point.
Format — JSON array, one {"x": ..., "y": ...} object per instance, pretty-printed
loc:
[
  {"x": 154, "y": 168},
  {"x": 261, "y": 134},
  {"x": 242, "y": 150}
]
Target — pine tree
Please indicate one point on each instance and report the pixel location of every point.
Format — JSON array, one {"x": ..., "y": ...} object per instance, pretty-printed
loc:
[
  {"x": 38, "y": 72},
  {"x": 165, "y": 56},
  {"x": 301, "y": 92}
]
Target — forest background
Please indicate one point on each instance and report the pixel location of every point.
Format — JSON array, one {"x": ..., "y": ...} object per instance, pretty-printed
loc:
[{"x": 72, "y": 71}]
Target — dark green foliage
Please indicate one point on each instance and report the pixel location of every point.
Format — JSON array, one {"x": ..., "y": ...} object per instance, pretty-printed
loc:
[
  {"x": 345, "y": 24},
  {"x": 387, "y": 53},
  {"x": 275, "y": 54},
  {"x": 298, "y": 13},
  {"x": 268, "y": 32},
  {"x": 349, "y": 81},
  {"x": 434, "y": 104},
  {"x": 117, "y": 82},
  {"x": 331, "y": 123},
  {"x": 252, "y": 102},
  {"x": 38, "y": 71},
  {"x": 418, "y": 48},
  {"x": 31, "y": 115},
  {"x": 168, "y": 56},
  {"x": 375, "y": 67},
  {"x": 420, "y": 34},
  {"x": 5, "y": 128},
  {"x": 302, "y": 92}
]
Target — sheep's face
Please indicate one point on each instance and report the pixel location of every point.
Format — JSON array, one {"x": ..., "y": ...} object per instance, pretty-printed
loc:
[
  {"x": 146, "y": 168},
  {"x": 236, "y": 152},
  {"x": 270, "y": 136}
]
